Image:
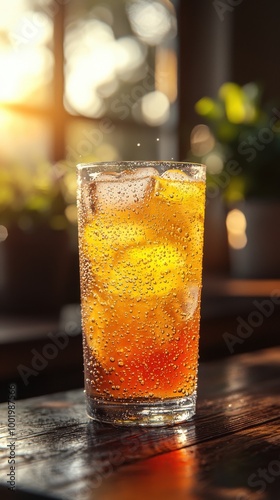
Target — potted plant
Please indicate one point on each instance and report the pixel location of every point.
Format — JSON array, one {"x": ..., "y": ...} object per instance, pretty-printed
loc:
[
  {"x": 243, "y": 163},
  {"x": 37, "y": 217}
]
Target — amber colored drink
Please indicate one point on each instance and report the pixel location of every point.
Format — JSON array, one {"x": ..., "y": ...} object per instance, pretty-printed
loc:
[{"x": 140, "y": 245}]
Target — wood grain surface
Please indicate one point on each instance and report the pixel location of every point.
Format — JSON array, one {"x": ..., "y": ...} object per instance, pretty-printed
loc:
[{"x": 229, "y": 450}]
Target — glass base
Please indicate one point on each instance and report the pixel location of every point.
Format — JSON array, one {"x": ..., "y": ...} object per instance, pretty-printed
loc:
[{"x": 153, "y": 414}]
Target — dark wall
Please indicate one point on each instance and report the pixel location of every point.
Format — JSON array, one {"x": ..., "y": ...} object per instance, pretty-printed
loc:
[{"x": 255, "y": 44}]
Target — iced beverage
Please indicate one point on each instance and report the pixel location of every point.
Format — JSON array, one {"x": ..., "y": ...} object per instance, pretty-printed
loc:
[{"x": 140, "y": 245}]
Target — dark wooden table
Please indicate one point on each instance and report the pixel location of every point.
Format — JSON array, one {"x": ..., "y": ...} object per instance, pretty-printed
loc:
[{"x": 230, "y": 450}]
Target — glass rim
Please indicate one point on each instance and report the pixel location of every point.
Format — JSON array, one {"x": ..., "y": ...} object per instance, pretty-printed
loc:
[{"x": 139, "y": 163}]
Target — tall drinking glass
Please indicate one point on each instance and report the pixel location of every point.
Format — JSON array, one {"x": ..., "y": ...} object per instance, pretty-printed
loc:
[{"x": 140, "y": 245}]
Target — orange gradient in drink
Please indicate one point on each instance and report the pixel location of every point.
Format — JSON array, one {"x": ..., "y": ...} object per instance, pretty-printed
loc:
[{"x": 141, "y": 238}]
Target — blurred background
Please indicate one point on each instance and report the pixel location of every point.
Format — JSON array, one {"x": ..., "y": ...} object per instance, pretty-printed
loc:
[{"x": 98, "y": 80}]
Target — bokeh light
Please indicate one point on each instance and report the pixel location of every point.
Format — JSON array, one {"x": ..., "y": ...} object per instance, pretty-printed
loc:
[
  {"x": 166, "y": 72},
  {"x": 155, "y": 108},
  {"x": 151, "y": 20},
  {"x": 3, "y": 233},
  {"x": 214, "y": 163},
  {"x": 236, "y": 227},
  {"x": 130, "y": 54},
  {"x": 202, "y": 140},
  {"x": 96, "y": 65},
  {"x": 71, "y": 213}
]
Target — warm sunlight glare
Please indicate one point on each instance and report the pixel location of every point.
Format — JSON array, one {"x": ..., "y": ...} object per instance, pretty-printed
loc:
[
  {"x": 24, "y": 72},
  {"x": 11, "y": 12},
  {"x": 25, "y": 61}
]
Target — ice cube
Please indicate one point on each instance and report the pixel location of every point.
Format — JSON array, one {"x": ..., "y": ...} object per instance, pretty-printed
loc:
[
  {"x": 177, "y": 187},
  {"x": 120, "y": 190},
  {"x": 175, "y": 175},
  {"x": 191, "y": 299}
]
